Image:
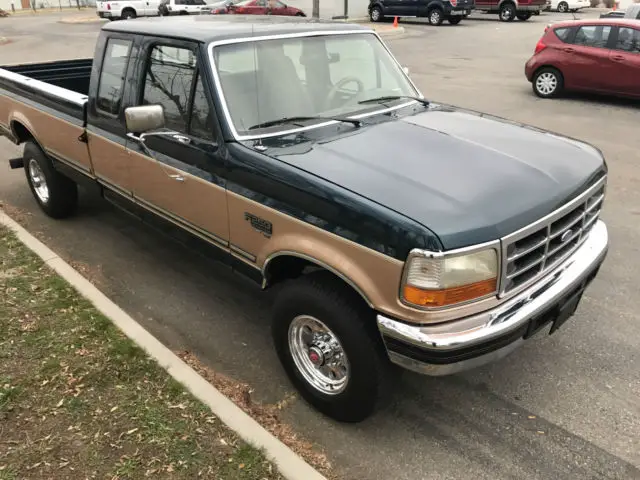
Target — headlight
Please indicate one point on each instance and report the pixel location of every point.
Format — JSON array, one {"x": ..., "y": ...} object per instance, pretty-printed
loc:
[{"x": 433, "y": 280}]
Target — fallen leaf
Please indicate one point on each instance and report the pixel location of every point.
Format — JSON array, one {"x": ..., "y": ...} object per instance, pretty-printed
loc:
[
  {"x": 241, "y": 466},
  {"x": 60, "y": 403},
  {"x": 531, "y": 417},
  {"x": 114, "y": 409},
  {"x": 133, "y": 430},
  {"x": 170, "y": 468}
]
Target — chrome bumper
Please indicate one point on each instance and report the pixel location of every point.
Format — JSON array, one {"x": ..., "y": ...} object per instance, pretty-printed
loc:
[{"x": 451, "y": 347}]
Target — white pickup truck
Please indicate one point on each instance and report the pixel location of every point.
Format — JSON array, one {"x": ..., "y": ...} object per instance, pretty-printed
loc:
[{"x": 128, "y": 9}]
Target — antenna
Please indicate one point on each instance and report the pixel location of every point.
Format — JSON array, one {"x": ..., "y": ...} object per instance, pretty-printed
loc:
[{"x": 255, "y": 74}]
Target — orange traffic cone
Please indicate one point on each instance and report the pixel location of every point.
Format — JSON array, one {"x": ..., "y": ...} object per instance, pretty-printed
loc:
[{"x": 395, "y": 22}]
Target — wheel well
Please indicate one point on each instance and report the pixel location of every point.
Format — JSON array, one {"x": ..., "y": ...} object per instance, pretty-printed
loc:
[
  {"x": 507, "y": 2},
  {"x": 21, "y": 133},
  {"x": 288, "y": 267},
  {"x": 129, "y": 9},
  {"x": 535, "y": 72}
]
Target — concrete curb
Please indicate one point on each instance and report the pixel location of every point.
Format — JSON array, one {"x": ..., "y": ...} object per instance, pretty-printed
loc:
[{"x": 290, "y": 465}]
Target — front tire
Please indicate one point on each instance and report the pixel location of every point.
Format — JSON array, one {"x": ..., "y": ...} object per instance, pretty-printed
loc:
[
  {"x": 454, "y": 20},
  {"x": 435, "y": 17},
  {"x": 507, "y": 12},
  {"x": 329, "y": 346},
  {"x": 563, "y": 7},
  {"x": 375, "y": 14},
  {"x": 56, "y": 194},
  {"x": 547, "y": 82}
]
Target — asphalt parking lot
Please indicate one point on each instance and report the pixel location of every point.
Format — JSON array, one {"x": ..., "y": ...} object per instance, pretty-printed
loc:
[{"x": 564, "y": 406}]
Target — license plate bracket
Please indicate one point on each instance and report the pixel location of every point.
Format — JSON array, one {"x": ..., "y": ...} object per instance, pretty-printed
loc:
[{"x": 566, "y": 310}]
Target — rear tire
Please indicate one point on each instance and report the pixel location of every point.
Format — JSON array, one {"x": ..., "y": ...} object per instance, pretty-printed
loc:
[
  {"x": 454, "y": 20},
  {"x": 523, "y": 16},
  {"x": 128, "y": 14},
  {"x": 375, "y": 14},
  {"x": 56, "y": 194},
  {"x": 435, "y": 16},
  {"x": 563, "y": 7},
  {"x": 547, "y": 82},
  {"x": 328, "y": 343},
  {"x": 507, "y": 12}
]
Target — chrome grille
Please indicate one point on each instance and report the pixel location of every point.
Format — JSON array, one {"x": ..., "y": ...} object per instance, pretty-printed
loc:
[{"x": 529, "y": 253}]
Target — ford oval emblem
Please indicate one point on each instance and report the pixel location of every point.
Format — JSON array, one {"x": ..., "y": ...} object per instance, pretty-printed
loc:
[{"x": 566, "y": 236}]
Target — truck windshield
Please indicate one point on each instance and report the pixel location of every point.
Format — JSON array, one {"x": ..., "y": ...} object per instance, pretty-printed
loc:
[{"x": 341, "y": 75}]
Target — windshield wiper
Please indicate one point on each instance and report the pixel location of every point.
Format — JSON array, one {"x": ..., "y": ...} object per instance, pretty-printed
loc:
[
  {"x": 423, "y": 101},
  {"x": 280, "y": 121}
]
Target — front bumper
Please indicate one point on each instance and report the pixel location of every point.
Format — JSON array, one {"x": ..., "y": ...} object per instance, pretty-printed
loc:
[{"x": 444, "y": 349}]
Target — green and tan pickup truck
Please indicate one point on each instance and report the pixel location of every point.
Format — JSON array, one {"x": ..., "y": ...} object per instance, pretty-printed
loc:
[{"x": 397, "y": 231}]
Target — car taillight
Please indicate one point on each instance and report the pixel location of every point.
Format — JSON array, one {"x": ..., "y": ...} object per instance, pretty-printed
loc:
[
  {"x": 108, "y": 6},
  {"x": 540, "y": 46},
  {"x": 454, "y": 2}
]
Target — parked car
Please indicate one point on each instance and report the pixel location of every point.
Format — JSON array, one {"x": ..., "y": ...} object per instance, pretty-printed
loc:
[
  {"x": 633, "y": 12},
  {"x": 508, "y": 10},
  {"x": 436, "y": 11},
  {"x": 264, "y": 7},
  {"x": 395, "y": 230},
  {"x": 127, "y": 10},
  {"x": 182, "y": 7},
  {"x": 220, "y": 8},
  {"x": 600, "y": 56},
  {"x": 564, "y": 6}
]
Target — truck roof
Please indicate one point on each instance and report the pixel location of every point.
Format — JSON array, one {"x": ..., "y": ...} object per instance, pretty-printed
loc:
[{"x": 211, "y": 28}]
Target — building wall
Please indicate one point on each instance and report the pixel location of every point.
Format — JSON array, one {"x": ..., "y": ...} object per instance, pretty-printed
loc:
[
  {"x": 6, "y": 5},
  {"x": 332, "y": 8}
]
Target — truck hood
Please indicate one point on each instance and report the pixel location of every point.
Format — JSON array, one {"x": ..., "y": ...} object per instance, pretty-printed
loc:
[{"x": 467, "y": 177}]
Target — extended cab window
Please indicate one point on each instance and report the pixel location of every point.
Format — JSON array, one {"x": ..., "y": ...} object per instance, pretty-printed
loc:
[
  {"x": 593, "y": 36},
  {"x": 111, "y": 84},
  {"x": 628, "y": 40}
]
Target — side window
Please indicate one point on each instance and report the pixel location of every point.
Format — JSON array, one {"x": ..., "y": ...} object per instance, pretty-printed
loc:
[
  {"x": 593, "y": 36},
  {"x": 111, "y": 83},
  {"x": 628, "y": 40},
  {"x": 201, "y": 116},
  {"x": 562, "y": 33},
  {"x": 168, "y": 80}
]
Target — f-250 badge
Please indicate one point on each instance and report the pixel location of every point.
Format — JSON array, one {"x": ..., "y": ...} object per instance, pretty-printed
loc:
[{"x": 260, "y": 224}]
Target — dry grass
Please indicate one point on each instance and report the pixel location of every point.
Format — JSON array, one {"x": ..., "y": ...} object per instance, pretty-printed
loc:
[{"x": 79, "y": 400}]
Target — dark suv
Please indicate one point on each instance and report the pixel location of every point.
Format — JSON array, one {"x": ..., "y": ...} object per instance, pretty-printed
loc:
[{"x": 436, "y": 11}]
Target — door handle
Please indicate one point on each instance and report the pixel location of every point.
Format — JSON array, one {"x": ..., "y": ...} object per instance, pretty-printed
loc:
[
  {"x": 177, "y": 178},
  {"x": 182, "y": 138},
  {"x": 618, "y": 58}
]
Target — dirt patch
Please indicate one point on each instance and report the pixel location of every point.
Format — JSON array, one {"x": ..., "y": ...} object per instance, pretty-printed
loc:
[{"x": 79, "y": 400}]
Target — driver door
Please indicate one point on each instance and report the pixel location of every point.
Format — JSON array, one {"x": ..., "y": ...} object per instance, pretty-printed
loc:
[{"x": 179, "y": 175}]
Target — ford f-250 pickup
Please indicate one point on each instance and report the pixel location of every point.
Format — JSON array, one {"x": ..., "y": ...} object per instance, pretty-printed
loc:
[{"x": 398, "y": 231}]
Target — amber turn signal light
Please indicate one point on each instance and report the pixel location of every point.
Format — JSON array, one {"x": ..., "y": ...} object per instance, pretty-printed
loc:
[{"x": 449, "y": 296}]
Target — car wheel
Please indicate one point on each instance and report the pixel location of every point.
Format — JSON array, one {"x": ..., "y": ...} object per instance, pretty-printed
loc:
[
  {"x": 454, "y": 20},
  {"x": 300, "y": 14},
  {"x": 327, "y": 341},
  {"x": 524, "y": 16},
  {"x": 375, "y": 14},
  {"x": 56, "y": 194},
  {"x": 128, "y": 14},
  {"x": 563, "y": 7},
  {"x": 547, "y": 82},
  {"x": 435, "y": 17},
  {"x": 507, "y": 12}
]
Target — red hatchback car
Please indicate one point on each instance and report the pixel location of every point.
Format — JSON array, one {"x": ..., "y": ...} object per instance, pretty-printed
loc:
[
  {"x": 600, "y": 56},
  {"x": 264, "y": 7}
]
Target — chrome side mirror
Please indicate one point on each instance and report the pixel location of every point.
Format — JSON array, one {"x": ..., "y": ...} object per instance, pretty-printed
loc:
[
  {"x": 144, "y": 118},
  {"x": 406, "y": 70}
]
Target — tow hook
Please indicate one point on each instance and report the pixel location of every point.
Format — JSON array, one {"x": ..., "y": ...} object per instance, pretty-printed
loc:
[{"x": 16, "y": 163}]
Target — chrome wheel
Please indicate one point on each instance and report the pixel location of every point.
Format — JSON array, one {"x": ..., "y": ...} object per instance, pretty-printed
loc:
[
  {"x": 318, "y": 355},
  {"x": 434, "y": 17},
  {"x": 38, "y": 181},
  {"x": 546, "y": 83}
]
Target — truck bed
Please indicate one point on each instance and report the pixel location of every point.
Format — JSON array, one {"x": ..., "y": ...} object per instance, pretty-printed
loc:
[
  {"x": 61, "y": 86},
  {"x": 48, "y": 101}
]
